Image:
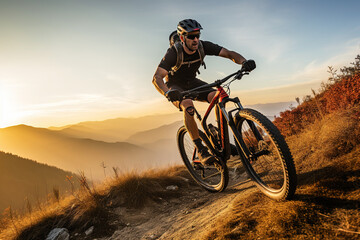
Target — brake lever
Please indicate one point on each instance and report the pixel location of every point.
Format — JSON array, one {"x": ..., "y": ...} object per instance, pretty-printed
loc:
[{"x": 241, "y": 73}]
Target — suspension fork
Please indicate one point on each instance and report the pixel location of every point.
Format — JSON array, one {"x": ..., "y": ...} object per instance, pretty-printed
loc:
[
  {"x": 225, "y": 119},
  {"x": 230, "y": 121},
  {"x": 255, "y": 130},
  {"x": 222, "y": 122}
]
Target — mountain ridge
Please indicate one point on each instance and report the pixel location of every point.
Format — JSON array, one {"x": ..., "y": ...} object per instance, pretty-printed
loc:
[
  {"x": 74, "y": 154},
  {"x": 22, "y": 178}
]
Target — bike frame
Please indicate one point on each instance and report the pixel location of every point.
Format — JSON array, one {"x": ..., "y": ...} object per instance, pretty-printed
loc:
[{"x": 224, "y": 119}]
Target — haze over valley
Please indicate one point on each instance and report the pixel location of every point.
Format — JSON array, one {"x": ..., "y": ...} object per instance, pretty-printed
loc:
[{"x": 123, "y": 143}]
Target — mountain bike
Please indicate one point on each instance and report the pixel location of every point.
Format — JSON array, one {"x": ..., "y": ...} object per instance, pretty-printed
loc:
[{"x": 262, "y": 149}]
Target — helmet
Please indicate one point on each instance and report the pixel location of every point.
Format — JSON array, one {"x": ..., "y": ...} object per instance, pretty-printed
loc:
[
  {"x": 188, "y": 25},
  {"x": 173, "y": 38}
]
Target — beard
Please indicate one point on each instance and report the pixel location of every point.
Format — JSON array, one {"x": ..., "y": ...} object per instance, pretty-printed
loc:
[{"x": 192, "y": 46}]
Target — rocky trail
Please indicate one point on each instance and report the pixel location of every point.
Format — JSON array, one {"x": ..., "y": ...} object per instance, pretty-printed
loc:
[{"x": 187, "y": 217}]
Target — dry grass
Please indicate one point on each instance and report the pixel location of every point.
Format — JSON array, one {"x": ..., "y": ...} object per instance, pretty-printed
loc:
[
  {"x": 326, "y": 205},
  {"x": 93, "y": 206},
  {"x": 335, "y": 135},
  {"x": 132, "y": 190},
  {"x": 257, "y": 217}
]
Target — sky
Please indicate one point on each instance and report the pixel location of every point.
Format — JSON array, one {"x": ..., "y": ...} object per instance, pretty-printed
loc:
[{"x": 63, "y": 62}]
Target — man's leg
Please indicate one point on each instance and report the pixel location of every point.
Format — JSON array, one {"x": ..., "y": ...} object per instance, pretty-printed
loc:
[
  {"x": 210, "y": 96},
  {"x": 189, "y": 120},
  {"x": 187, "y": 106}
]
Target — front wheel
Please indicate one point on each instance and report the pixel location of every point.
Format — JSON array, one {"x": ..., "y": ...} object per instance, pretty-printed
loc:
[
  {"x": 213, "y": 178},
  {"x": 265, "y": 154}
]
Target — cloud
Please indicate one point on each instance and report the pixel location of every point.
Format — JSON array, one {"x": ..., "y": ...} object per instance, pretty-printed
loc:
[
  {"x": 301, "y": 82},
  {"x": 317, "y": 70}
]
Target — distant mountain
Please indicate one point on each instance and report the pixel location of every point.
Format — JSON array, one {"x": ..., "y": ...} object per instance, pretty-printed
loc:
[
  {"x": 167, "y": 131},
  {"x": 22, "y": 178},
  {"x": 75, "y": 154},
  {"x": 121, "y": 129},
  {"x": 87, "y": 145},
  {"x": 272, "y": 109},
  {"x": 161, "y": 140},
  {"x": 118, "y": 129}
]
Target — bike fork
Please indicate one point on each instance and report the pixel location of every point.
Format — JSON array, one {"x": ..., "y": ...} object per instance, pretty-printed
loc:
[{"x": 230, "y": 121}]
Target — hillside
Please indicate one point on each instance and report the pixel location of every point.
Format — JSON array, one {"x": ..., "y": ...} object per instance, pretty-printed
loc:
[
  {"x": 22, "y": 178},
  {"x": 335, "y": 95},
  {"x": 326, "y": 204},
  {"x": 76, "y": 154}
]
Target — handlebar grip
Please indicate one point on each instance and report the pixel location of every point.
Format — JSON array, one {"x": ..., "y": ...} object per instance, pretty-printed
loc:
[{"x": 239, "y": 73}]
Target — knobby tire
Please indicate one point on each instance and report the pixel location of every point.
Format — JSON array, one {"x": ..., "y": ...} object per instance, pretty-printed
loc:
[
  {"x": 213, "y": 178},
  {"x": 270, "y": 164}
]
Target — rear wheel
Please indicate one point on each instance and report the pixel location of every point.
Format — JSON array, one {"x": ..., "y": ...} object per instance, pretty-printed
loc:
[
  {"x": 213, "y": 178},
  {"x": 267, "y": 157}
]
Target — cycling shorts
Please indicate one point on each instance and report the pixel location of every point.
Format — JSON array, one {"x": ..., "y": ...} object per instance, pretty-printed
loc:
[{"x": 203, "y": 96}]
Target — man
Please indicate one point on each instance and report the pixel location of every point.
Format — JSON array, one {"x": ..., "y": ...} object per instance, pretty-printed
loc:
[{"x": 181, "y": 78}]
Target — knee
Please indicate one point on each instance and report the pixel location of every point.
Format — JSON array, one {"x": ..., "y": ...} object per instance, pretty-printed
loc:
[
  {"x": 190, "y": 111},
  {"x": 188, "y": 107},
  {"x": 186, "y": 103},
  {"x": 211, "y": 96}
]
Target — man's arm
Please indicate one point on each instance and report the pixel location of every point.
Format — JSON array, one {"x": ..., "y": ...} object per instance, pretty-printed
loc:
[
  {"x": 158, "y": 80},
  {"x": 234, "y": 56}
]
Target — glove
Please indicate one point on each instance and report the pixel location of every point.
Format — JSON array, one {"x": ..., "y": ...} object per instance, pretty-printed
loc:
[
  {"x": 173, "y": 95},
  {"x": 249, "y": 65}
]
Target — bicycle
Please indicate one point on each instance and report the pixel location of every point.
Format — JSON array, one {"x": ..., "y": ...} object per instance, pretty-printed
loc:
[{"x": 263, "y": 151}]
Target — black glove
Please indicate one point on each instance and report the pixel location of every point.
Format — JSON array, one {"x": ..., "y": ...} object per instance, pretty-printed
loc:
[
  {"x": 173, "y": 95},
  {"x": 249, "y": 65}
]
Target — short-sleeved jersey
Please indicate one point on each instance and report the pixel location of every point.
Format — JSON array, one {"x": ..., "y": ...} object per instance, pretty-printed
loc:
[{"x": 186, "y": 72}]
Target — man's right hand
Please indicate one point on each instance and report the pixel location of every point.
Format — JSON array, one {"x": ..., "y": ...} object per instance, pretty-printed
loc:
[
  {"x": 249, "y": 65},
  {"x": 173, "y": 95}
]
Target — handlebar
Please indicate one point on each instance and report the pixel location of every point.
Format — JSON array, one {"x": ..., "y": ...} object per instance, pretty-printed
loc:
[{"x": 195, "y": 91}]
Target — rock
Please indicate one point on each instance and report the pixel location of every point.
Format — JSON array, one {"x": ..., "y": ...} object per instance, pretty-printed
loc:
[
  {"x": 151, "y": 237},
  {"x": 185, "y": 179},
  {"x": 58, "y": 234},
  {"x": 89, "y": 231},
  {"x": 172, "y": 187}
]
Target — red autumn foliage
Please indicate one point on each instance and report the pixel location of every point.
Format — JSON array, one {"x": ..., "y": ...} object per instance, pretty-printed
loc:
[{"x": 343, "y": 94}]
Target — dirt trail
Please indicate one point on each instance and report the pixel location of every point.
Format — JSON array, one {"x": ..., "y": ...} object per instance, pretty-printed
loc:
[{"x": 188, "y": 217}]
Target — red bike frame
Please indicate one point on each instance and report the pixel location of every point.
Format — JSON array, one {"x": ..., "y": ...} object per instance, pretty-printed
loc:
[
  {"x": 220, "y": 97},
  {"x": 223, "y": 118}
]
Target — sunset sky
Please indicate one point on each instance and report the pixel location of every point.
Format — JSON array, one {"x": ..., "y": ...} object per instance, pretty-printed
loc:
[{"x": 63, "y": 62}]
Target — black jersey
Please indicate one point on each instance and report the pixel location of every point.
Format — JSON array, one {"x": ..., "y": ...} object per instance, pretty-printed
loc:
[{"x": 186, "y": 72}]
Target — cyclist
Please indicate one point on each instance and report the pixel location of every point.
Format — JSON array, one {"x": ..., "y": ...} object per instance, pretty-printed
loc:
[{"x": 183, "y": 77}]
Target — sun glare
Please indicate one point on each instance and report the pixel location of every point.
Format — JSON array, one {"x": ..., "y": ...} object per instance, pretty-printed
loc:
[{"x": 8, "y": 114}]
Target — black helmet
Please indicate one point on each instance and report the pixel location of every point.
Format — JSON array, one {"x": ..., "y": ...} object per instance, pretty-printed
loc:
[
  {"x": 173, "y": 38},
  {"x": 188, "y": 25}
]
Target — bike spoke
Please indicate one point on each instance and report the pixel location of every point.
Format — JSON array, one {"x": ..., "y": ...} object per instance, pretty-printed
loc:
[
  {"x": 264, "y": 159},
  {"x": 210, "y": 177}
]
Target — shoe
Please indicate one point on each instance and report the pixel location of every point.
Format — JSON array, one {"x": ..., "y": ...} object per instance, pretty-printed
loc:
[
  {"x": 234, "y": 151},
  {"x": 205, "y": 157}
]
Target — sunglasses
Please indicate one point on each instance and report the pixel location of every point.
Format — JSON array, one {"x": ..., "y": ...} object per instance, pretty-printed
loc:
[{"x": 193, "y": 36}]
